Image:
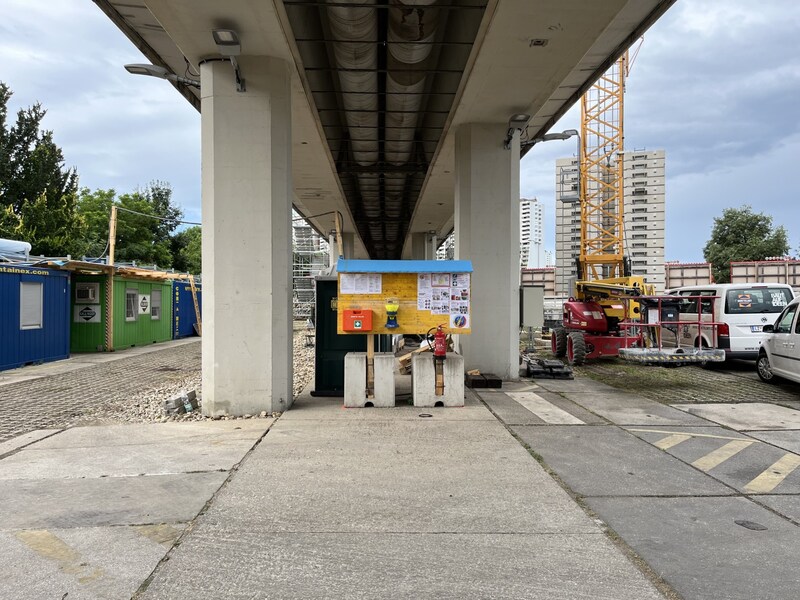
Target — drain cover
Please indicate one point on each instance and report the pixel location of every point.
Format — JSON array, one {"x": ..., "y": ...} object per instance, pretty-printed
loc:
[{"x": 750, "y": 525}]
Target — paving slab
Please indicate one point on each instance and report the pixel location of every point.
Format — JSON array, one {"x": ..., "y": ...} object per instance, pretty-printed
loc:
[
  {"x": 81, "y": 563},
  {"x": 579, "y": 384},
  {"x": 736, "y": 459},
  {"x": 135, "y": 434},
  {"x": 68, "y": 503},
  {"x": 131, "y": 450},
  {"x": 787, "y": 506},
  {"x": 314, "y": 409},
  {"x": 788, "y": 440},
  {"x": 217, "y": 562},
  {"x": 607, "y": 461},
  {"x": 629, "y": 409},
  {"x": 421, "y": 476},
  {"x": 507, "y": 406},
  {"x": 696, "y": 545},
  {"x": 25, "y": 439},
  {"x": 746, "y": 416}
]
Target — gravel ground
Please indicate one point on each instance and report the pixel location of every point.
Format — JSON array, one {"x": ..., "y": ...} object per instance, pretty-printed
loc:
[{"x": 148, "y": 406}]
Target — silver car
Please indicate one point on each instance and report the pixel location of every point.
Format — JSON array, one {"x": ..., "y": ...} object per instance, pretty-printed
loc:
[{"x": 779, "y": 355}]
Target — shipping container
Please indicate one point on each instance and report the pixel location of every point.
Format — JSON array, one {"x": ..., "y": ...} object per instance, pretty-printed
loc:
[
  {"x": 34, "y": 315},
  {"x": 183, "y": 313},
  {"x": 683, "y": 274},
  {"x": 142, "y": 312}
]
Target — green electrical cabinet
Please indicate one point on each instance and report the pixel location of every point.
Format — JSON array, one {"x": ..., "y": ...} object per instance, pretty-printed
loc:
[
  {"x": 142, "y": 312},
  {"x": 330, "y": 347}
]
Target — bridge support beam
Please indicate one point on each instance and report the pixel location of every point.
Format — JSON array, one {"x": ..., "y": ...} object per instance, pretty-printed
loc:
[
  {"x": 246, "y": 199},
  {"x": 487, "y": 233}
]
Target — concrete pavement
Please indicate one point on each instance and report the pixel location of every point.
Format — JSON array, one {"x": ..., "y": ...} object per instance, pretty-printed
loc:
[
  {"x": 324, "y": 502},
  {"x": 546, "y": 489}
]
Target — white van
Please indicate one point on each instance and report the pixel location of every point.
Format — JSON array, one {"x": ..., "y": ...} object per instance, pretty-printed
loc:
[{"x": 742, "y": 309}]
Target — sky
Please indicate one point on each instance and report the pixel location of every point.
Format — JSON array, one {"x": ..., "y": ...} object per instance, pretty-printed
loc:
[{"x": 716, "y": 84}]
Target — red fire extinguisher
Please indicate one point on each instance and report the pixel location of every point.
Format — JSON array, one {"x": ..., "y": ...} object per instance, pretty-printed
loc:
[{"x": 439, "y": 344}]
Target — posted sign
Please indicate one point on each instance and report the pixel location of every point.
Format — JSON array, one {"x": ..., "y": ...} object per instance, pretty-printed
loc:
[
  {"x": 144, "y": 304},
  {"x": 87, "y": 313}
]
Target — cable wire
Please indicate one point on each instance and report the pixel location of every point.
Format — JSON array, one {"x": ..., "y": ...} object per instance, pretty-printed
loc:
[{"x": 159, "y": 218}]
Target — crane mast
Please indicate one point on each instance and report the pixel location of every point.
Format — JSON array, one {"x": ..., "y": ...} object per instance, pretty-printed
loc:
[{"x": 601, "y": 187}]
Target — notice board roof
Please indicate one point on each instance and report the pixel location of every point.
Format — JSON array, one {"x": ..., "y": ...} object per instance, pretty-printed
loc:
[{"x": 403, "y": 266}]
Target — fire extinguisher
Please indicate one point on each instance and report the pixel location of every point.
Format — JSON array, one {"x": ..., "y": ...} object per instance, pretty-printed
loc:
[{"x": 439, "y": 344}]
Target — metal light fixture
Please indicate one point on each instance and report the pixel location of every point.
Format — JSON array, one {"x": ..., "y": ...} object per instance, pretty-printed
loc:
[
  {"x": 161, "y": 73},
  {"x": 564, "y": 135},
  {"x": 516, "y": 122},
  {"x": 227, "y": 41}
]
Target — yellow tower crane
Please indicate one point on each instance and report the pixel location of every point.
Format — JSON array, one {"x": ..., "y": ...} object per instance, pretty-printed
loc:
[{"x": 591, "y": 324}]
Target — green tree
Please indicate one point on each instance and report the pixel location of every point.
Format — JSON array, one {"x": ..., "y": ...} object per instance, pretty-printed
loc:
[
  {"x": 38, "y": 195},
  {"x": 145, "y": 222},
  {"x": 187, "y": 250},
  {"x": 740, "y": 234},
  {"x": 95, "y": 209}
]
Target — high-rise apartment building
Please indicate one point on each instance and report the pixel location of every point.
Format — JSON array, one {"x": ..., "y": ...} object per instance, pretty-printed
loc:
[
  {"x": 531, "y": 234},
  {"x": 644, "y": 197}
]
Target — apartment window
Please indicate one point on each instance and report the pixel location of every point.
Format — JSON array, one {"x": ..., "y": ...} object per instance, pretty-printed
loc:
[
  {"x": 639, "y": 201},
  {"x": 155, "y": 305},
  {"x": 640, "y": 166},
  {"x": 640, "y": 253},
  {"x": 640, "y": 236},
  {"x": 131, "y": 297},
  {"x": 639, "y": 244},
  {"x": 639, "y": 228},
  {"x": 640, "y": 174},
  {"x": 639, "y": 192},
  {"x": 639, "y": 156},
  {"x": 639, "y": 210},
  {"x": 639, "y": 262},
  {"x": 31, "y": 305},
  {"x": 639, "y": 219}
]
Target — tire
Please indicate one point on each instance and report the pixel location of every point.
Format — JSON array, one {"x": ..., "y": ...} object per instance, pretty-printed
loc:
[
  {"x": 764, "y": 369},
  {"x": 558, "y": 341},
  {"x": 576, "y": 349}
]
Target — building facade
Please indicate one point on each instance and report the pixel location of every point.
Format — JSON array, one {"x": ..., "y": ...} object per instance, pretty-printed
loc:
[
  {"x": 531, "y": 234},
  {"x": 644, "y": 197}
]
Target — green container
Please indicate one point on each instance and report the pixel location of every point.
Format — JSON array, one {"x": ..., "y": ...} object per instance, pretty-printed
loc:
[{"x": 142, "y": 313}]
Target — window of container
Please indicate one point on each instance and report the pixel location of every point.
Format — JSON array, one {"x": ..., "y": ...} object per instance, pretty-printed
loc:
[
  {"x": 155, "y": 305},
  {"x": 31, "y": 305},
  {"x": 131, "y": 298}
]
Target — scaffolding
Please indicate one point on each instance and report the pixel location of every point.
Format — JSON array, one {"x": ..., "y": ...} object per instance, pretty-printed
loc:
[{"x": 310, "y": 257}]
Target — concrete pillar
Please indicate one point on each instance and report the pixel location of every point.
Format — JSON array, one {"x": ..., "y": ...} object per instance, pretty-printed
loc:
[
  {"x": 487, "y": 233},
  {"x": 423, "y": 246},
  {"x": 247, "y": 190},
  {"x": 348, "y": 244},
  {"x": 418, "y": 246}
]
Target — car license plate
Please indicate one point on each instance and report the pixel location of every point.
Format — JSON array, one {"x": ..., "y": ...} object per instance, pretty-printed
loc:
[{"x": 756, "y": 328}]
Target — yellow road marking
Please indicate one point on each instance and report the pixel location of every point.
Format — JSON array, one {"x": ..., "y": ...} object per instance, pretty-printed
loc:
[
  {"x": 54, "y": 548},
  {"x": 671, "y": 440},
  {"x": 774, "y": 475},
  {"x": 720, "y": 455},
  {"x": 697, "y": 435}
]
